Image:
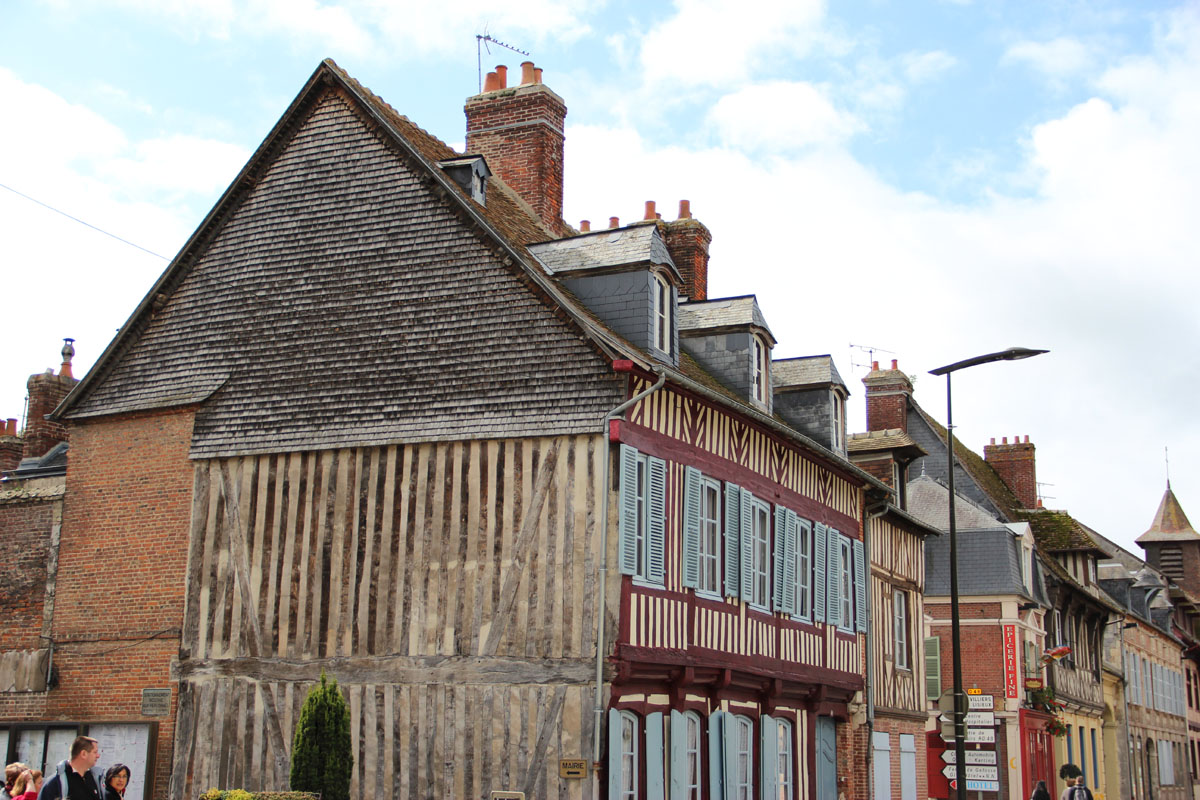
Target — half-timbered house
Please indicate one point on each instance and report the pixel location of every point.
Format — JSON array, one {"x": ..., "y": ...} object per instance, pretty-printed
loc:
[{"x": 519, "y": 488}]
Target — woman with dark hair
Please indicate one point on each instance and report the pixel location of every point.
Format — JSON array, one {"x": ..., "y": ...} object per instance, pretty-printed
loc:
[
  {"x": 116, "y": 779},
  {"x": 1040, "y": 792}
]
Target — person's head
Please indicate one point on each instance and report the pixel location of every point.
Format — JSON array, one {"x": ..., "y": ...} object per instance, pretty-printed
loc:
[
  {"x": 85, "y": 752},
  {"x": 13, "y": 771},
  {"x": 37, "y": 779},
  {"x": 1041, "y": 785},
  {"x": 1080, "y": 782},
  {"x": 117, "y": 778},
  {"x": 23, "y": 783}
]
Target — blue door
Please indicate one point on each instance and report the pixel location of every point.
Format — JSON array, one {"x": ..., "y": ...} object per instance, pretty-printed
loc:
[{"x": 826, "y": 759}]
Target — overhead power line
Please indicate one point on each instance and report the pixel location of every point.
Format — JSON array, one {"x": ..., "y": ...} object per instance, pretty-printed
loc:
[{"x": 81, "y": 222}]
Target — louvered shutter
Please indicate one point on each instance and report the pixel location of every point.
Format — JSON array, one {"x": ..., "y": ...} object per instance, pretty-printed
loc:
[
  {"x": 628, "y": 520},
  {"x": 678, "y": 755},
  {"x": 933, "y": 668},
  {"x": 691, "y": 527},
  {"x": 747, "y": 538},
  {"x": 819, "y": 549},
  {"x": 860, "y": 587},
  {"x": 733, "y": 540},
  {"x": 768, "y": 758},
  {"x": 655, "y": 786},
  {"x": 730, "y": 744},
  {"x": 791, "y": 543},
  {"x": 779, "y": 553},
  {"x": 833, "y": 580},
  {"x": 614, "y": 753},
  {"x": 716, "y": 755},
  {"x": 656, "y": 529}
]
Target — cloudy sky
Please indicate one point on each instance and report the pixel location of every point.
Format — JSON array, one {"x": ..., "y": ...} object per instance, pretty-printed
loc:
[{"x": 932, "y": 180}]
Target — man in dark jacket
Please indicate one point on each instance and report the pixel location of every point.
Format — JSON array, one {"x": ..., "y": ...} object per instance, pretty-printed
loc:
[{"x": 77, "y": 778}]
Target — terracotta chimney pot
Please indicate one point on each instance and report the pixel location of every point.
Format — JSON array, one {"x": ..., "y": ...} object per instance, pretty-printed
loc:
[
  {"x": 492, "y": 82},
  {"x": 585, "y": 225},
  {"x": 502, "y": 73},
  {"x": 894, "y": 362},
  {"x": 874, "y": 366},
  {"x": 526, "y": 72},
  {"x": 614, "y": 222},
  {"x": 685, "y": 209},
  {"x": 649, "y": 210},
  {"x": 537, "y": 75}
]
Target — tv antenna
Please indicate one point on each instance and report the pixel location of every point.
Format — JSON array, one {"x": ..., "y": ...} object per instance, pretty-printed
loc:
[
  {"x": 870, "y": 351},
  {"x": 481, "y": 43}
]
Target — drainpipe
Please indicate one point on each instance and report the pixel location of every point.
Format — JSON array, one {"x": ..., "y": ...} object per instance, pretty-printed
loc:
[
  {"x": 868, "y": 686},
  {"x": 598, "y": 710}
]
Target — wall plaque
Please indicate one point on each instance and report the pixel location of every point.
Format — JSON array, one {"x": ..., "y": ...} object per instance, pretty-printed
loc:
[{"x": 156, "y": 702}]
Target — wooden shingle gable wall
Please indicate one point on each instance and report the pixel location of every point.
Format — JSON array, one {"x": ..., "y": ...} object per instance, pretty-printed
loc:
[{"x": 344, "y": 302}]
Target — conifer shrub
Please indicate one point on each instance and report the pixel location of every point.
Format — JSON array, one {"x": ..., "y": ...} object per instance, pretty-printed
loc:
[{"x": 321, "y": 752}]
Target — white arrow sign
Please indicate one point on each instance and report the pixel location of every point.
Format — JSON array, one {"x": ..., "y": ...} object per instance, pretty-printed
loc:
[{"x": 986, "y": 757}]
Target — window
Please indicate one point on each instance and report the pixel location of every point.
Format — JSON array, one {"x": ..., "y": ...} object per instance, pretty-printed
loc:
[
  {"x": 710, "y": 537},
  {"x": 760, "y": 554},
  {"x": 838, "y": 408},
  {"x": 783, "y": 760},
  {"x": 741, "y": 776},
  {"x": 685, "y": 754},
  {"x": 846, "y": 564},
  {"x": 900, "y": 625},
  {"x": 804, "y": 570},
  {"x": 662, "y": 314},
  {"x": 643, "y": 515},
  {"x": 1095, "y": 761},
  {"x": 628, "y": 755},
  {"x": 759, "y": 376}
]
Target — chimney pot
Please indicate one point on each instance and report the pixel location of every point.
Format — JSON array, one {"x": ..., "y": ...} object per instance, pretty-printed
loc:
[
  {"x": 585, "y": 225},
  {"x": 492, "y": 82},
  {"x": 537, "y": 75},
  {"x": 526, "y": 72},
  {"x": 1003, "y": 440},
  {"x": 993, "y": 440},
  {"x": 649, "y": 210},
  {"x": 10, "y": 427},
  {"x": 685, "y": 209},
  {"x": 502, "y": 74},
  {"x": 894, "y": 364},
  {"x": 657, "y": 215},
  {"x": 1027, "y": 438},
  {"x": 614, "y": 222},
  {"x": 874, "y": 366}
]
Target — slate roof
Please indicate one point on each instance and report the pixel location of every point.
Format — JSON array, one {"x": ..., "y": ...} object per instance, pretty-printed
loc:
[
  {"x": 805, "y": 371},
  {"x": 1058, "y": 531},
  {"x": 989, "y": 562},
  {"x": 929, "y": 500},
  {"x": 725, "y": 312},
  {"x": 617, "y": 247},
  {"x": 1170, "y": 523}
]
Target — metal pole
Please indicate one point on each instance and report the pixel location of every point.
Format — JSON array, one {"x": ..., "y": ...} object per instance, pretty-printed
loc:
[{"x": 960, "y": 758}]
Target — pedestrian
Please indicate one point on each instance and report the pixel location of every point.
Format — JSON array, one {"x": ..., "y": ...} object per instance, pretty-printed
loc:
[
  {"x": 1067, "y": 792},
  {"x": 1040, "y": 792},
  {"x": 77, "y": 778},
  {"x": 11, "y": 773},
  {"x": 37, "y": 779},
  {"x": 1082, "y": 792},
  {"x": 23, "y": 787},
  {"x": 116, "y": 780}
]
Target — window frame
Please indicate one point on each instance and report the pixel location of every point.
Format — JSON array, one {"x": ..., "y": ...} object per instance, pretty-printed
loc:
[
  {"x": 846, "y": 553},
  {"x": 713, "y": 559},
  {"x": 785, "y": 771},
  {"x": 759, "y": 374},
  {"x": 805, "y": 544},
  {"x": 760, "y": 555},
  {"x": 631, "y": 756},
  {"x": 693, "y": 785},
  {"x": 662, "y": 314},
  {"x": 900, "y": 637},
  {"x": 742, "y": 790}
]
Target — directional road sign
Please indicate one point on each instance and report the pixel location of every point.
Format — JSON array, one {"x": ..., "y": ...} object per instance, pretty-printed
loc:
[
  {"x": 981, "y": 702},
  {"x": 974, "y": 773},
  {"x": 984, "y": 757},
  {"x": 980, "y": 719}
]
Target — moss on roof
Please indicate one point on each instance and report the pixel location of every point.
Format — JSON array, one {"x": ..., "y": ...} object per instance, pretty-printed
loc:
[{"x": 1058, "y": 531}]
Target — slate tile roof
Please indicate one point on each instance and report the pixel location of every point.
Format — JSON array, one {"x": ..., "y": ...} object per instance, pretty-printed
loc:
[
  {"x": 619, "y": 247},
  {"x": 805, "y": 371},
  {"x": 929, "y": 501},
  {"x": 989, "y": 563},
  {"x": 726, "y": 312}
]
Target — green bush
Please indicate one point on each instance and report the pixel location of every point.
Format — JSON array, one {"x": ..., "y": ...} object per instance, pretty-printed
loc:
[
  {"x": 321, "y": 750},
  {"x": 242, "y": 794}
]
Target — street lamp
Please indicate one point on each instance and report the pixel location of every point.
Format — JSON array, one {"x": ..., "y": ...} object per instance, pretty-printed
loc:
[{"x": 960, "y": 757}]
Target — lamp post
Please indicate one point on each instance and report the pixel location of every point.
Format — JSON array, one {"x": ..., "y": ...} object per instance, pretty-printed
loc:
[{"x": 960, "y": 702}]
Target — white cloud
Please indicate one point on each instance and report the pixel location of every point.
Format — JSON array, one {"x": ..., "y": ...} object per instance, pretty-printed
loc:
[
  {"x": 722, "y": 42},
  {"x": 781, "y": 116},
  {"x": 1057, "y": 59},
  {"x": 922, "y": 67},
  {"x": 178, "y": 164}
]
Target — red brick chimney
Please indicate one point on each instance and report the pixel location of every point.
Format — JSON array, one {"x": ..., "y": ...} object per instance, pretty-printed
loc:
[
  {"x": 888, "y": 392},
  {"x": 687, "y": 241},
  {"x": 1016, "y": 464},
  {"x": 46, "y": 391},
  {"x": 520, "y": 133},
  {"x": 10, "y": 445}
]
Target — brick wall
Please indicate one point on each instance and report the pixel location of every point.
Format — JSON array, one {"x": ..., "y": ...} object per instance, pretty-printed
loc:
[
  {"x": 894, "y": 727},
  {"x": 1016, "y": 464},
  {"x": 121, "y": 571},
  {"x": 520, "y": 133},
  {"x": 687, "y": 241},
  {"x": 25, "y": 536},
  {"x": 888, "y": 392}
]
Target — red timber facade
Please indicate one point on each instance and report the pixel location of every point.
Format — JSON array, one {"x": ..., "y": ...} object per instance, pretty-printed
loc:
[{"x": 767, "y": 681}]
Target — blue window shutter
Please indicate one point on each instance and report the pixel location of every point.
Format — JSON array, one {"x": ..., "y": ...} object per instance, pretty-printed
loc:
[
  {"x": 768, "y": 756},
  {"x": 716, "y": 755},
  {"x": 729, "y": 736},
  {"x": 733, "y": 540},
  {"x": 833, "y": 588},
  {"x": 614, "y": 753},
  {"x": 656, "y": 530},
  {"x": 747, "y": 536},
  {"x": 791, "y": 532},
  {"x": 779, "y": 558},
  {"x": 628, "y": 519},
  {"x": 820, "y": 551},
  {"x": 691, "y": 527},
  {"x": 655, "y": 788},
  {"x": 678, "y": 755},
  {"x": 860, "y": 587}
]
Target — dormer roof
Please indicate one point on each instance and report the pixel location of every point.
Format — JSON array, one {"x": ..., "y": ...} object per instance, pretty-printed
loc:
[
  {"x": 704, "y": 316},
  {"x": 893, "y": 439},
  {"x": 631, "y": 246},
  {"x": 806, "y": 372},
  {"x": 1170, "y": 523}
]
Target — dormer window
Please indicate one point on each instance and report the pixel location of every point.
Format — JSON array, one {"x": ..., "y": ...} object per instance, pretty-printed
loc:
[
  {"x": 759, "y": 376},
  {"x": 838, "y": 413},
  {"x": 662, "y": 314}
]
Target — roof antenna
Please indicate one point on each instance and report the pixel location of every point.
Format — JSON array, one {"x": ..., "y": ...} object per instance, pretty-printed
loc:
[
  {"x": 1167, "y": 458},
  {"x": 870, "y": 351},
  {"x": 481, "y": 44}
]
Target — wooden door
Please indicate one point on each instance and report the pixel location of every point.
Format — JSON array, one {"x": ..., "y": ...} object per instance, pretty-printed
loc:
[{"x": 826, "y": 759}]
